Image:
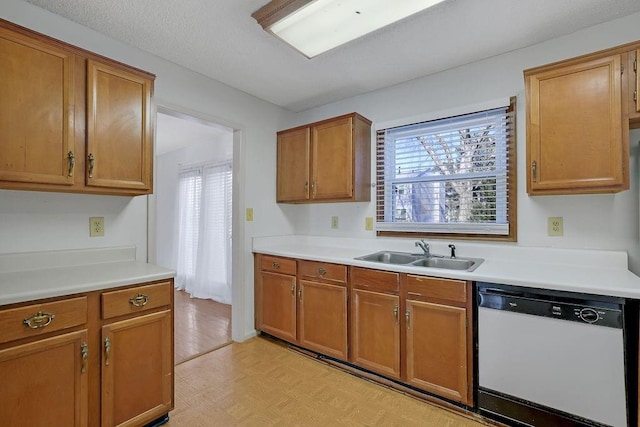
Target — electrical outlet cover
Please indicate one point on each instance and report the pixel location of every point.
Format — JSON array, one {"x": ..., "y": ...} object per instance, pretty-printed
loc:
[
  {"x": 96, "y": 226},
  {"x": 555, "y": 226},
  {"x": 334, "y": 222}
]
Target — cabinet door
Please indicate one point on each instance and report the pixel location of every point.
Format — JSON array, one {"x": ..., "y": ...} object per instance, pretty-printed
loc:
[
  {"x": 574, "y": 129},
  {"x": 323, "y": 318},
  {"x": 293, "y": 166},
  {"x": 36, "y": 111},
  {"x": 137, "y": 361},
  {"x": 437, "y": 349},
  {"x": 376, "y": 332},
  {"x": 45, "y": 382},
  {"x": 332, "y": 155},
  {"x": 119, "y": 135},
  {"x": 279, "y": 305}
]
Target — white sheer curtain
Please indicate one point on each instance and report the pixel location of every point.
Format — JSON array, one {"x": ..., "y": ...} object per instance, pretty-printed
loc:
[{"x": 204, "y": 232}]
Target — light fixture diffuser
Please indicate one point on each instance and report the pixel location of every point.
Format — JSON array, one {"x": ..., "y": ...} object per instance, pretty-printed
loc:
[{"x": 314, "y": 27}]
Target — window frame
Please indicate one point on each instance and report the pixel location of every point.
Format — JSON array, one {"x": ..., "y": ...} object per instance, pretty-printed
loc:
[{"x": 511, "y": 197}]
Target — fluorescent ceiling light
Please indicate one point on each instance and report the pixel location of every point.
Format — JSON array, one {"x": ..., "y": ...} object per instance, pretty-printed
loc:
[{"x": 314, "y": 27}]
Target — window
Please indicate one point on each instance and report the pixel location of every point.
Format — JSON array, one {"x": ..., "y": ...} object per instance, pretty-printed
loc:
[{"x": 452, "y": 177}]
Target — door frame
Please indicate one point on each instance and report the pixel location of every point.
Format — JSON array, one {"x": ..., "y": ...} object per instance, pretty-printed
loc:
[{"x": 238, "y": 298}]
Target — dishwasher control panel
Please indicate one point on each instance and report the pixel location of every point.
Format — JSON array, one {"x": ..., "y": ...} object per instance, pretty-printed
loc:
[{"x": 588, "y": 312}]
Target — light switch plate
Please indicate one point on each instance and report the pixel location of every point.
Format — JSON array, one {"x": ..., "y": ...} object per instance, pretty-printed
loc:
[
  {"x": 334, "y": 222},
  {"x": 249, "y": 214},
  {"x": 96, "y": 226},
  {"x": 368, "y": 223}
]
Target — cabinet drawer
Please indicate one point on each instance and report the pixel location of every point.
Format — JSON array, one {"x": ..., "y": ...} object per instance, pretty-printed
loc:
[
  {"x": 37, "y": 319},
  {"x": 136, "y": 300},
  {"x": 433, "y": 287},
  {"x": 383, "y": 281},
  {"x": 327, "y": 272},
  {"x": 278, "y": 265}
]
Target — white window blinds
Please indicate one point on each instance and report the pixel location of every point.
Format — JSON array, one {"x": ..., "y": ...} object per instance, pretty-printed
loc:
[{"x": 450, "y": 175}]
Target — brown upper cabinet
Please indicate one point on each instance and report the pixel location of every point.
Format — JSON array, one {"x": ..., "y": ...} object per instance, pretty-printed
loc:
[
  {"x": 578, "y": 116},
  {"x": 327, "y": 161},
  {"x": 71, "y": 120}
]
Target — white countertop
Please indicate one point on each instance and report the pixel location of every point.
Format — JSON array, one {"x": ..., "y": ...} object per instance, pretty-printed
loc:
[
  {"x": 585, "y": 271},
  {"x": 36, "y": 275}
]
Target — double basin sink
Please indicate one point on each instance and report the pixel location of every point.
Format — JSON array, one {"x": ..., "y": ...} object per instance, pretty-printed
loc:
[{"x": 419, "y": 260}]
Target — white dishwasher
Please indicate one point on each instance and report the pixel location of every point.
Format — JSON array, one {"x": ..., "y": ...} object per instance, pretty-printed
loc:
[{"x": 545, "y": 359}]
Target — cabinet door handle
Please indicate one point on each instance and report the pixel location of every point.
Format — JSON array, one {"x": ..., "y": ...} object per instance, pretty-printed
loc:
[
  {"x": 322, "y": 271},
  {"x": 139, "y": 300},
  {"x": 92, "y": 163},
  {"x": 395, "y": 313},
  {"x": 293, "y": 289},
  {"x": 407, "y": 316},
  {"x": 84, "y": 351},
  {"x": 534, "y": 171},
  {"x": 39, "y": 320},
  {"x": 306, "y": 188},
  {"x": 313, "y": 189},
  {"x": 275, "y": 264},
  {"x": 300, "y": 294},
  {"x": 72, "y": 162},
  {"x": 107, "y": 350}
]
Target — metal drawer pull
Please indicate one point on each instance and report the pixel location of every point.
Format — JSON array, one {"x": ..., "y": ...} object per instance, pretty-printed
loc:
[
  {"x": 407, "y": 315},
  {"x": 275, "y": 264},
  {"x": 139, "y": 300},
  {"x": 72, "y": 162},
  {"x": 107, "y": 350},
  {"x": 84, "y": 351},
  {"x": 92, "y": 163},
  {"x": 39, "y": 320},
  {"x": 322, "y": 271}
]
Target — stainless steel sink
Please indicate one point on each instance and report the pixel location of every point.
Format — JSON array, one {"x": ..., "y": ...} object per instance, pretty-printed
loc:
[
  {"x": 419, "y": 260},
  {"x": 466, "y": 264},
  {"x": 389, "y": 257}
]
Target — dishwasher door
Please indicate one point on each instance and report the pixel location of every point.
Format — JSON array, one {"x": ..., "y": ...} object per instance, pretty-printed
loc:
[{"x": 546, "y": 353}]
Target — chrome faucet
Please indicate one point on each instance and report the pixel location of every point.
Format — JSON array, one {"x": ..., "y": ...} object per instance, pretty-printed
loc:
[{"x": 425, "y": 248}]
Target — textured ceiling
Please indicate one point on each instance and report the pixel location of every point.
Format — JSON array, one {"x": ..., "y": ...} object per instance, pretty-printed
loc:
[{"x": 218, "y": 38}]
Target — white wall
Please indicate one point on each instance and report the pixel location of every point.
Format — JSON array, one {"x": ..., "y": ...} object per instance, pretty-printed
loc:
[
  {"x": 596, "y": 221},
  {"x": 166, "y": 191},
  {"x": 35, "y": 221}
]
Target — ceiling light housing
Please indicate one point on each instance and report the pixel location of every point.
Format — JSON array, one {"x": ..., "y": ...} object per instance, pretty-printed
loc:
[{"x": 316, "y": 26}]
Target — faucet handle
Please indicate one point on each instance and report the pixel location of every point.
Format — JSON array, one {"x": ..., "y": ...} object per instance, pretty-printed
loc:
[{"x": 453, "y": 250}]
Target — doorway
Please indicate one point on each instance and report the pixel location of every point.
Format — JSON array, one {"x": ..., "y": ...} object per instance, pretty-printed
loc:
[{"x": 193, "y": 231}]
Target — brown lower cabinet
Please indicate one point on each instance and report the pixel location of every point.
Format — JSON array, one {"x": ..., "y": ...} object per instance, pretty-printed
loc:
[
  {"x": 376, "y": 321},
  {"x": 137, "y": 382},
  {"x": 413, "y": 329},
  {"x": 103, "y": 358},
  {"x": 45, "y": 380},
  {"x": 303, "y": 302},
  {"x": 438, "y": 335}
]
